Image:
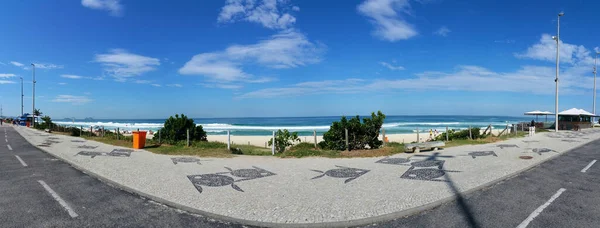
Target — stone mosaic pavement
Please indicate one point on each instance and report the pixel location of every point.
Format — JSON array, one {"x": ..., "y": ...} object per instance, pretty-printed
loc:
[{"x": 278, "y": 191}]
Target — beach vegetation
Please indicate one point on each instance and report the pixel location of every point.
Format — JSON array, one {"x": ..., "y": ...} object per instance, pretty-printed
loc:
[
  {"x": 45, "y": 124},
  {"x": 284, "y": 139},
  {"x": 361, "y": 135},
  {"x": 175, "y": 130},
  {"x": 461, "y": 134}
]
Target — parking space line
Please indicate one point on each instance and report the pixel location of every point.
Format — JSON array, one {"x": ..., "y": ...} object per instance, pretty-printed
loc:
[
  {"x": 21, "y": 160},
  {"x": 588, "y": 166},
  {"x": 540, "y": 209},
  {"x": 9, "y": 148},
  {"x": 60, "y": 200}
]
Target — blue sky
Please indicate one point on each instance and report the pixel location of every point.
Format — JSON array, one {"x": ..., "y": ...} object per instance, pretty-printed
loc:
[{"x": 245, "y": 58}]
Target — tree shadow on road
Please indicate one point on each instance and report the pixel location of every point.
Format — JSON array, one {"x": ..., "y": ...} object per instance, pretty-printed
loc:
[{"x": 460, "y": 200}]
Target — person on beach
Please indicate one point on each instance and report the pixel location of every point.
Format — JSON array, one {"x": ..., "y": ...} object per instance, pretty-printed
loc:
[
  {"x": 435, "y": 133},
  {"x": 430, "y": 134}
]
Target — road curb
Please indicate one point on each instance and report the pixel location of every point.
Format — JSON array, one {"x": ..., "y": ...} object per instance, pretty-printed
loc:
[{"x": 350, "y": 223}]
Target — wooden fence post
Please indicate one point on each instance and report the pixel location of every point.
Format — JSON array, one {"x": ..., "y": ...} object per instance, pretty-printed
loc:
[
  {"x": 80, "y": 131},
  {"x": 446, "y": 133},
  {"x": 188, "y": 137},
  {"x": 417, "y": 134},
  {"x": 470, "y": 135},
  {"x": 383, "y": 131},
  {"x": 228, "y": 140},
  {"x": 315, "y": 135},
  {"x": 273, "y": 144},
  {"x": 159, "y": 136},
  {"x": 346, "y": 131}
]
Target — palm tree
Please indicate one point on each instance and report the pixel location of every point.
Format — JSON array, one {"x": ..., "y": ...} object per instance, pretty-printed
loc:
[{"x": 37, "y": 112}]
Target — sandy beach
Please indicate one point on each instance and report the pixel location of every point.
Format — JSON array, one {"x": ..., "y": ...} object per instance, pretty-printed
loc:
[{"x": 262, "y": 140}]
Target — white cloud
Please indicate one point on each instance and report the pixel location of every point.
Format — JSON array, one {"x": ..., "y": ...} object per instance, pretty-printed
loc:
[
  {"x": 71, "y": 76},
  {"x": 287, "y": 49},
  {"x": 385, "y": 16},
  {"x": 6, "y": 75},
  {"x": 62, "y": 83},
  {"x": 443, "y": 31},
  {"x": 17, "y": 63},
  {"x": 531, "y": 79},
  {"x": 174, "y": 85},
  {"x": 505, "y": 41},
  {"x": 72, "y": 99},
  {"x": 1, "y": 63},
  {"x": 391, "y": 67},
  {"x": 48, "y": 66},
  {"x": 271, "y": 14},
  {"x": 6, "y": 82},
  {"x": 121, "y": 64},
  {"x": 545, "y": 50},
  {"x": 221, "y": 86},
  {"x": 351, "y": 85},
  {"x": 156, "y": 85},
  {"x": 113, "y": 6},
  {"x": 142, "y": 81}
]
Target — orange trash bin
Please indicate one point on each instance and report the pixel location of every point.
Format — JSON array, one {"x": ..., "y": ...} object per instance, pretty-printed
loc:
[{"x": 139, "y": 139}]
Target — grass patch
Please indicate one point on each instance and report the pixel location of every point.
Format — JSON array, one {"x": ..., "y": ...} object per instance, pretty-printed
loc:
[
  {"x": 201, "y": 149},
  {"x": 489, "y": 139},
  {"x": 309, "y": 150}
]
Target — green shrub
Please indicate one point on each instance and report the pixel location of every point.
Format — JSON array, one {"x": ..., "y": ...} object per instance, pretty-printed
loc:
[
  {"x": 359, "y": 134},
  {"x": 283, "y": 139},
  {"x": 74, "y": 131},
  {"x": 303, "y": 146},
  {"x": 462, "y": 134},
  {"x": 175, "y": 130}
]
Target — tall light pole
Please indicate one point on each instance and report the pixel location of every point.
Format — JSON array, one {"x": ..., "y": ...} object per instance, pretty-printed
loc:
[
  {"x": 557, "y": 38},
  {"x": 33, "y": 98},
  {"x": 21, "y": 95},
  {"x": 594, "y": 106}
]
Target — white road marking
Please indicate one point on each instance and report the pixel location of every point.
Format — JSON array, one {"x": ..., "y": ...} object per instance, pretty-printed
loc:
[
  {"x": 60, "y": 200},
  {"x": 21, "y": 160},
  {"x": 588, "y": 166},
  {"x": 540, "y": 209},
  {"x": 9, "y": 148}
]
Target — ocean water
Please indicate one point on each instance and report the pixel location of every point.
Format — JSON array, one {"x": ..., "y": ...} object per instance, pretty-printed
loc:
[{"x": 303, "y": 125}]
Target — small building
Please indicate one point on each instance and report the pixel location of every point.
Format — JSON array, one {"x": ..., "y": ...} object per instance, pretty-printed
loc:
[{"x": 574, "y": 119}]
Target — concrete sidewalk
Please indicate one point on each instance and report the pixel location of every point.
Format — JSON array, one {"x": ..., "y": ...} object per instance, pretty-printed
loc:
[{"x": 270, "y": 191}]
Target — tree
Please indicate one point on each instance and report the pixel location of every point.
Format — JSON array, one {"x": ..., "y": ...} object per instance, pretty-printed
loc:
[
  {"x": 283, "y": 139},
  {"x": 175, "y": 130},
  {"x": 37, "y": 112},
  {"x": 360, "y": 134}
]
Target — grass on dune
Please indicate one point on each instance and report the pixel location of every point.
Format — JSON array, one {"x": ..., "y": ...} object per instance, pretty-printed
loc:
[{"x": 219, "y": 149}]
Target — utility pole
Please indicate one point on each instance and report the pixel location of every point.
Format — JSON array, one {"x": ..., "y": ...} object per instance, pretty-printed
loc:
[
  {"x": 557, "y": 38},
  {"x": 21, "y": 95},
  {"x": 33, "y": 98},
  {"x": 594, "y": 106}
]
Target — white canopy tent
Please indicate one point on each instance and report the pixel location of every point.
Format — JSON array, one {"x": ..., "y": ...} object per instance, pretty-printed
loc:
[
  {"x": 538, "y": 113},
  {"x": 575, "y": 112}
]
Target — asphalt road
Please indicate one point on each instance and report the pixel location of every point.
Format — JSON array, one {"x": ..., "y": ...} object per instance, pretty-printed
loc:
[
  {"x": 510, "y": 203},
  {"x": 25, "y": 201}
]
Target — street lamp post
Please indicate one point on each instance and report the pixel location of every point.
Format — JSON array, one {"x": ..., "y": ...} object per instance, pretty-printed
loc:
[
  {"x": 595, "y": 66},
  {"x": 21, "y": 95},
  {"x": 33, "y": 98},
  {"x": 557, "y": 38}
]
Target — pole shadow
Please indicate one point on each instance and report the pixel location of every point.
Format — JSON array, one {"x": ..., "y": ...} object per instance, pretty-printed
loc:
[{"x": 460, "y": 200}]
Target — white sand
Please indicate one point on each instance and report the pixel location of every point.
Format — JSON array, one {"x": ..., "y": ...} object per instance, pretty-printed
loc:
[{"x": 263, "y": 140}]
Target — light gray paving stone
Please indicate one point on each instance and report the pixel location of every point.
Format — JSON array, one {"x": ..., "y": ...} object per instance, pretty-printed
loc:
[{"x": 292, "y": 195}]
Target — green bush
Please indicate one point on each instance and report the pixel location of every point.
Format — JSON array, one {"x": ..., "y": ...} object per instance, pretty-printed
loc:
[
  {"x": 283, "y": 139},
  {"x": 74, "y": 131},
  {"x": 360, "y": 134},
  {"x": 462, "y": 134},
  {"x": 175, "y": 128}
]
